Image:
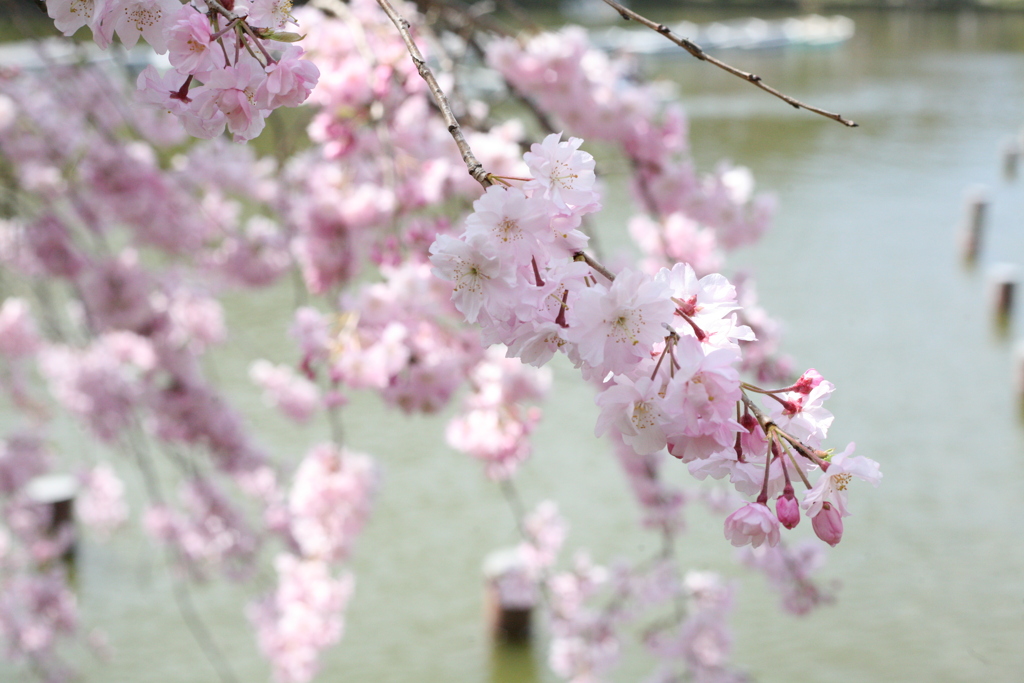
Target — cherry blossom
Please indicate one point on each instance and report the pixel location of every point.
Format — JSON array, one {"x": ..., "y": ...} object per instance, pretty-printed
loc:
[
  {"x": 564, "y": 174},
  {"x": 190, "y": 47},
  {"x": 134, "y": 19},
  {"x": 330, "y": 501},
  {"x": 102, "y": 504},
  {"x": 634, "y": 409},
  {"x": 234, "y": 92},
  {"x": 831, "y": 486},
  {"x": 301, "y": 617},
  {"x": 294, "y": 395},
  {"x": 478, "y": 278},
  {"x": 270, "y": 13},
  {"x": 509, "y": 221},
  {"x": 615, "y": 327},
  {"x": 752, "y": 524},
  {"x": 289, "y": 80}
]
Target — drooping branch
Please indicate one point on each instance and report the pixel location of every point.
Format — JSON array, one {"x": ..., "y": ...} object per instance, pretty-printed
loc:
[
  {"x": 476, "y": 169},
  {"x": 698, "y": 52}
]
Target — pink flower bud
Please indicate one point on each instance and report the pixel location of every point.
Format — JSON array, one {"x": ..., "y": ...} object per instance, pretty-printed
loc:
[
  {"x": 828, "y": 525},
  {"x": 787, "y": 508},
  {"x": 752, "y": 524}
]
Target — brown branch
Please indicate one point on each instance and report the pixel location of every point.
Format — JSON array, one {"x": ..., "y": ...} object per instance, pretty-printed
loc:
[
  {"x": 699, "y": 53},
  {"x": 475, "y": 168},
  {"x": 581, "y": 256}
]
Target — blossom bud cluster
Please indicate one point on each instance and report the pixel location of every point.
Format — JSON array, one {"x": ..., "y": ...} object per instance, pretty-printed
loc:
[
  {"x": 326, "y": 508},
  {"x": 224, "y": 71},
  {"x": 301, "y": 617},
  {"x": 495, "y": 426}
]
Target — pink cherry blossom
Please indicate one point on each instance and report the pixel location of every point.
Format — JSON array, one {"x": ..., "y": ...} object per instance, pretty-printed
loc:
[
  {"x": 270, "y": 13},
  {"x": 634, "y": 409},
  {"x": 477, "y": 277},
  {"x": 234, "y": 92},
  {"x": 165, "y": 91},
  {"x": 562, "y": 173},
  {"x": 330, "y": 501},
  {"x": 301, "y": 617},
  {"x": 70, "y": 15},
  {"x": 832, "y": 484},
  {"x": 613, "y": 328},
  {"x": 149, "y": 19},
  {"x": 289, "y": 80},
  {"x": 101, "y": 504},
  {"x": 803, "y": 414},
  {"x": 189, "y": 46},
  {"x": 22, "y": 457},
  {"x": 516, "y": 226},
  {"x": 753, "y": 524},
  {"x": 790, "y": 571}
]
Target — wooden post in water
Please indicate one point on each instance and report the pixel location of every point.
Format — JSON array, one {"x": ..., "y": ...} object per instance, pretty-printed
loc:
[
  {"x": 974, "y": 223},
  {"x": 511, "y": 596},
  {"x": 1002, "y": 282},
  {"x": 56, "y": 493},
  {"x": 1011, "y": 158}
]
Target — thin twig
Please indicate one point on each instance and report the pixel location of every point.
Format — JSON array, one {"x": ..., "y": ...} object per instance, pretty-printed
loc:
[
  {"x": 468, "y": 17},
  {"x": 475, "y": 168},
  {"x": 542, "y": 118},
  {"x": 698, "y": 52},
  {"x": 582, "y": 256}
]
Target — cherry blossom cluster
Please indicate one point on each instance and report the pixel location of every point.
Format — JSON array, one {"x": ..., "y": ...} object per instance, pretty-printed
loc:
[
  {"x": 364, "y": 195},
  {"x": 495, "y": 426},
  {"x": 592, "y": 606},
  {"x": 599, "y": 97},
  {"x": 38, "y": 606},
  {"x": 301, "y": 617},
  {"x": 326, "y": 508},
  {"x": 232, "y": 61},
  {"x": 103, "y": 224},
  {"x": 395, "y": 337},
  {"x": 665, "y": 348},
  {"x": 144, "y": 233},
  {"x": 685, "y": 217}
]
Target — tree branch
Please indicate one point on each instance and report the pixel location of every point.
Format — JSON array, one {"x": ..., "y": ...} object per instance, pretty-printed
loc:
[
  {"x": 699, "y": 53},
  {"x": 476, "y": 169}
]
